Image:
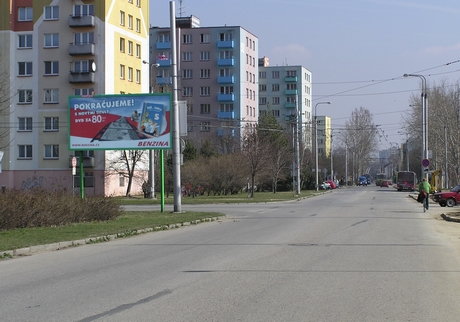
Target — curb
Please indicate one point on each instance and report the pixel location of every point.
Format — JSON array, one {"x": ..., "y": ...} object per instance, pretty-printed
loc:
[{"x": 28, "y": 251}]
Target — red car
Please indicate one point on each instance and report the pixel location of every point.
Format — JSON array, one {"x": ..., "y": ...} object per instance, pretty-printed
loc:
[
  {"x": 385, "y": 183},
  {"x": 448, "y": 198},
  {"x": 332, "y": 183}
]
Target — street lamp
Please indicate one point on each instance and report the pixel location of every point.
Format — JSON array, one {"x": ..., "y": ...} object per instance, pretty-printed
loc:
[
  {"x": 151, "y": 188},
  {"x": 316, "y": 144},
  {"x": 424, "y": 120}
]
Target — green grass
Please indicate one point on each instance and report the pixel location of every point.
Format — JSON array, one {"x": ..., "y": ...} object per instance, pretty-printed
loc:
[{"x": 131, "y": 221}]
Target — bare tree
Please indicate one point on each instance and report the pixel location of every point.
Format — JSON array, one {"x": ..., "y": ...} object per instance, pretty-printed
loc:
[
  {"x": 125, "y": 165},
  {"x": 360, "y": 136}
]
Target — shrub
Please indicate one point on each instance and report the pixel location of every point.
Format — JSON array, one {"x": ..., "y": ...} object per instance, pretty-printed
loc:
[{"x": 41, "y": 208}]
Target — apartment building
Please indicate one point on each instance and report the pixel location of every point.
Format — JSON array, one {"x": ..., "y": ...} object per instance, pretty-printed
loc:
[
  {"x": 52, "y": 49},
  {"x": 324, "y": 135},
  {"x": 217, "y": 77},
  {"x": 286, "y": 92}
]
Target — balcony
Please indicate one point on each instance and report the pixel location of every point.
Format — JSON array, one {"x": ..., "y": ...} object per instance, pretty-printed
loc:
[
  {"x": 88, "y": 162},
  {"x": 226, "y": 79},
  {"x": 289, "y": 105},
  {"x": 81, "y": 21},
  {"x": 290, "y": 92},
  {"x": 225, "y": 115},
  {"x": 290, "y": 79},
  {"x": 163, "y": 45},
  {"x": 82, "y": 49},
  {"x": 164, "y": 80},
  {"x": 225, "y": 44},
  {"x": 81, "y": 77},
  {"x": 225, "y": 62},
  {"x": 226, "y": 97},
  {"x": 163, "y": 62},
  {"x": 225, "y": 132}
]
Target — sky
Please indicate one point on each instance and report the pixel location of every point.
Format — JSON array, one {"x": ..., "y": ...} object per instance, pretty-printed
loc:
[{"x": 357, "y": 50}]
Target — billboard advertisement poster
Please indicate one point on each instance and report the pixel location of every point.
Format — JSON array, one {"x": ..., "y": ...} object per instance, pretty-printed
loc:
[{"x": 120, "y": 122}]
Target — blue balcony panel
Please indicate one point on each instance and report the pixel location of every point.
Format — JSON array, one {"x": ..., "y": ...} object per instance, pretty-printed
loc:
[
  {"x": 164, "y": 62},
  {"x": 225, "y": 62},
  {"x": 225, "y": 115},
  {"x": 225, "y": 131},
  {"x": 226, "y": 79},
  {"x": 225, "y": 44},
  {"x": 290, "y": 79},
  {"x": 290, "y": 92},
  {"x": 226, "y": 97},
  {"x": 164, "y": 80},
  {"x": 289, "y": 105},
  {"x": 163, "y": 45}
]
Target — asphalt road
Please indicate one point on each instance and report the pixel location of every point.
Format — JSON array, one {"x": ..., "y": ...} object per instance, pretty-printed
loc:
[{"x": 356, "y": 254}]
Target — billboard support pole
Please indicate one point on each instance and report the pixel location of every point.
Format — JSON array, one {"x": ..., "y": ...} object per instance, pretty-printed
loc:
[
  {"x": 82, "y": 177},
  {"x": 162, "y": 179}
]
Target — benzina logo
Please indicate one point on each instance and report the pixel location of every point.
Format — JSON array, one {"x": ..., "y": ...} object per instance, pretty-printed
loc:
[{"x": 154, "y": 143}]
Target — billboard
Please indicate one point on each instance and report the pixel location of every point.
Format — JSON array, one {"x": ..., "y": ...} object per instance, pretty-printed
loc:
[{"x": 120, "y": 122}]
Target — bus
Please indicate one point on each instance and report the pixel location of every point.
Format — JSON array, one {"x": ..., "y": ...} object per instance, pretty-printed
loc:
[{"x": 406, "y": 180}]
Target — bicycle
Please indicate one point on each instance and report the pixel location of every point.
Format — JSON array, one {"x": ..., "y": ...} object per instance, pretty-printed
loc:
[{"x": 425, "y": 201}]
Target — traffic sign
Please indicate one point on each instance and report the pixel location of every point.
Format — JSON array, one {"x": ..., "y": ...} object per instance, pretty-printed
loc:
[
  {"x": 74, "y": 162},
  {"x": 426, "y": 163}
]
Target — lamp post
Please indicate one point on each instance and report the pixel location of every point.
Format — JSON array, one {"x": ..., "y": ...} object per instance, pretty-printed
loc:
[
  {"x": 316, "y": 144},
  {"x": 151, "y": 151},
  {"x": 424, "y": 119}
]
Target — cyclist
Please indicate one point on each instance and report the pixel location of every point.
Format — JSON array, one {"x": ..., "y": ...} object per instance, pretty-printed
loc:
[{"x": 425, "y": 188}]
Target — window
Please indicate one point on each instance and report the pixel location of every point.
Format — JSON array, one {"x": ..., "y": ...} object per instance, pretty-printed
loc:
[
  {"x": 52, "y": 13},
  {"x": 81, "y": 66},
  {"x": 121, "y": 180},
  {"x": 25, "y": 96},
  {"x": 25, "y": 14},
  {"x": 226, "y": 36},
  {"x": 276, "y": 113},
  {"x": 291, "y": 87},
  {"x": 187, "y": 56},
  {"x": 262, "y": 88},
  {"x": 226, "y": 90},
  {"x": 262, "y": 75},
  {"x": 205, "y": 55},
  {"x": 205, "y": 126},
  {"x": 24, "y": 41},
  {"x": 51, "y": 123},
  {"x": 226, "y": 54},
  {"x": 130, "y": 74},
  {"x": 187, "y": 91},
  {"x": 138, "y": 3},
  {"x": 122, "y": 71},
  {"x": 205, "y": 91},
  {"x": 275, "y": 74},
  {"x": 138, "y": 51},
  {"x": 187, "y": 39},
  {"x": 290, "y": 99},
  {"x": 225, "y": 72},
  {"x": 291, "y": 73},
  {"x": 83, "y": 91},
  {"x": 262, "y": 101},
  {"x": 25, "y": 151},
  {"x": 205, "y": 73},
  {"x": 51, "y": 40},
  {"x": 189, "y": 109},
  {"x": 88, "y": 180},
  {"x": 51, "y": 151},
  {"x": 25, "y": 124},
  {"x": 51, "y": 96},
  {"x": 122, "y": 18},
  {"x": 84, "y": 38},
  {"x": 138, "y": 25},
  {"x": 205, "y": 108},
  {"x": 122, "y": 45},
  {"x": 226, "y": 107},
  {"x": 130, "y": 22},
  {"x": 25, "y": 69},
  {"x": 130, "y": 48},
  {"x": 187, "y": 73},
  {"x": 51, "y": 67},
  {"x": 275, "y": 87},
  {"x": 83, "y": 10},
  {"x": 189, "y": 126},
  {"x": 275, "y": 100},
  {"x": 138, "y": 76},
  {"x": 205, "y": 38}
]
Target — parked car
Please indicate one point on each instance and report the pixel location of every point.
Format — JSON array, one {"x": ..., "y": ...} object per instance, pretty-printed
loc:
[
  {"x": 385, "y": 183},
  {"x": 448, "y": 198},
  {"x": 332, "y": 183}
]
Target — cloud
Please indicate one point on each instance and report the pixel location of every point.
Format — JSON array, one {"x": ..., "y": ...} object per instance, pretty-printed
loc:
[{"x": 293, "y": 53}]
